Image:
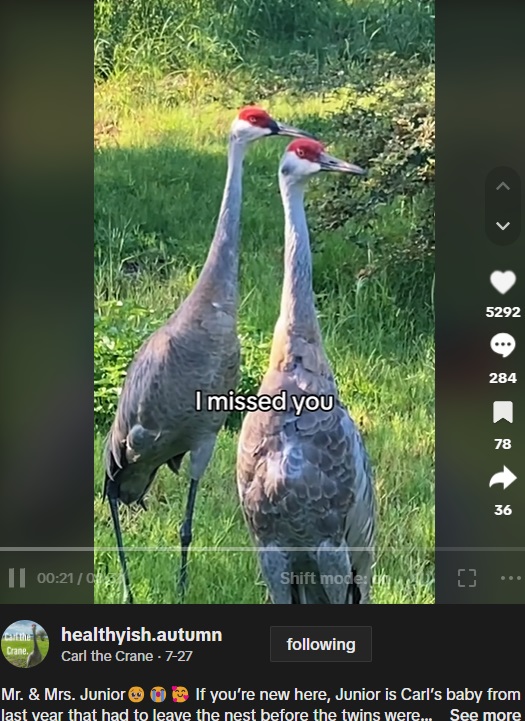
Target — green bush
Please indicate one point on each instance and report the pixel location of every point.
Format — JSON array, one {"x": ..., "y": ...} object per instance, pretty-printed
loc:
[{"x": 389, "y": 216}]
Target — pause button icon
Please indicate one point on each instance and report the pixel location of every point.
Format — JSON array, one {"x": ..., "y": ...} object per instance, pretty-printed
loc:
[{"x": 21, "y": 578}]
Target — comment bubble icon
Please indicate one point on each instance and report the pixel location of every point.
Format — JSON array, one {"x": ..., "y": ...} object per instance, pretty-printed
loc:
[{"x": 503, "y": 344}]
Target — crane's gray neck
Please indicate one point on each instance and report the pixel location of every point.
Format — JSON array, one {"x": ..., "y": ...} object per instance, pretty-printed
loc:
[
  {"x": 298, "y": 314},
  {"x": 220, "y": 272}
]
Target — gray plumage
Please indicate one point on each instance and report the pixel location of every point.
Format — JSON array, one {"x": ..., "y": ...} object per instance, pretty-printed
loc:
[
  {"x": 305, "y": 482},
  {"x": 35, "y": 657},
  {"x": 156, "y": 422}
]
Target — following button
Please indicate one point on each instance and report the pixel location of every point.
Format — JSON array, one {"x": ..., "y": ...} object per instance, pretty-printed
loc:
[{"x": 321, "y": 643}]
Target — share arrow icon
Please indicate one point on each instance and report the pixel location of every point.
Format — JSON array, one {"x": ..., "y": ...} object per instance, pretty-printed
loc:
[{"x": 505, "y": 477}]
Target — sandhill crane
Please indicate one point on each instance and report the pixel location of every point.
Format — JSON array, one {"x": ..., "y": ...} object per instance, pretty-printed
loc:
[
  {"x": 304, "y": 480},
  {"x": 156, "y": 421},
  {"x": 35, "y": 657}
]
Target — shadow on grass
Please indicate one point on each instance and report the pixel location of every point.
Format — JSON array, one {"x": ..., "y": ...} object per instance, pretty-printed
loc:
[{"x": 145, "y": 209}]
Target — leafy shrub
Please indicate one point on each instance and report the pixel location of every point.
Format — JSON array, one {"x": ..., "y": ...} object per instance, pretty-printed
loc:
[{"x": 389, "y": 216}]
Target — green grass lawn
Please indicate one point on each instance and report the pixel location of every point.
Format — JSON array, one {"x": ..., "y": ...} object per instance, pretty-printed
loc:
[
  {"x": 159, "y": 171},
  {"x": 17, "y": 652}
]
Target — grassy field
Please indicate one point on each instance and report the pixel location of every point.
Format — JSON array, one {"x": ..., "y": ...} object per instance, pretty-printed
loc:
[
  {"x": 12, "y": 651},
  {"x": 362, "y": 78}
]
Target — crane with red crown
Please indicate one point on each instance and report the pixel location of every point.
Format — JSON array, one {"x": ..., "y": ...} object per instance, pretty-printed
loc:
[{"x": 156, "y": 422}]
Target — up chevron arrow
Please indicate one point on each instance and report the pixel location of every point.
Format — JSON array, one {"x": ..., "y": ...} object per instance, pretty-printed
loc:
[
  {"x": 503, "y": 226},
  {"x": 503, "y": 185}
]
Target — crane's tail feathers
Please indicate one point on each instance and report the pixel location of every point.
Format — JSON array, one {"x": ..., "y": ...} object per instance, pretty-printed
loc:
[
  {"x": 107, "y": 483},
  {"x": 110, "y": 489},
  {"x": 112, "y": 466},
  {"x": 114, "y": 460}
]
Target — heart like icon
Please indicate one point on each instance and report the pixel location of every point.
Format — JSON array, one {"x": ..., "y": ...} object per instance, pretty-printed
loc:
[{"x": 503, "y": 280}]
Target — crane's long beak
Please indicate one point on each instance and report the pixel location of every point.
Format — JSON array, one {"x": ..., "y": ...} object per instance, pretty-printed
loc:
[
  {"x": 283, "y": 129},
  {"x": 328, "y": 162}
]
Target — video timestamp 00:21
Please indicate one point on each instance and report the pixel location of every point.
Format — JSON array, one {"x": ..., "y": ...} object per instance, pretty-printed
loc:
[{"x": 69, "y": 577}]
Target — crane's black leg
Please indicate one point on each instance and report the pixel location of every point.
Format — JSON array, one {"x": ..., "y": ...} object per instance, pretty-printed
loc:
[
  {"x": 356, "y": 592},
  {"x": 185, "y": 534},
  {"x": 199, "y": 459},
  {"x": 113, "y": 504}
]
